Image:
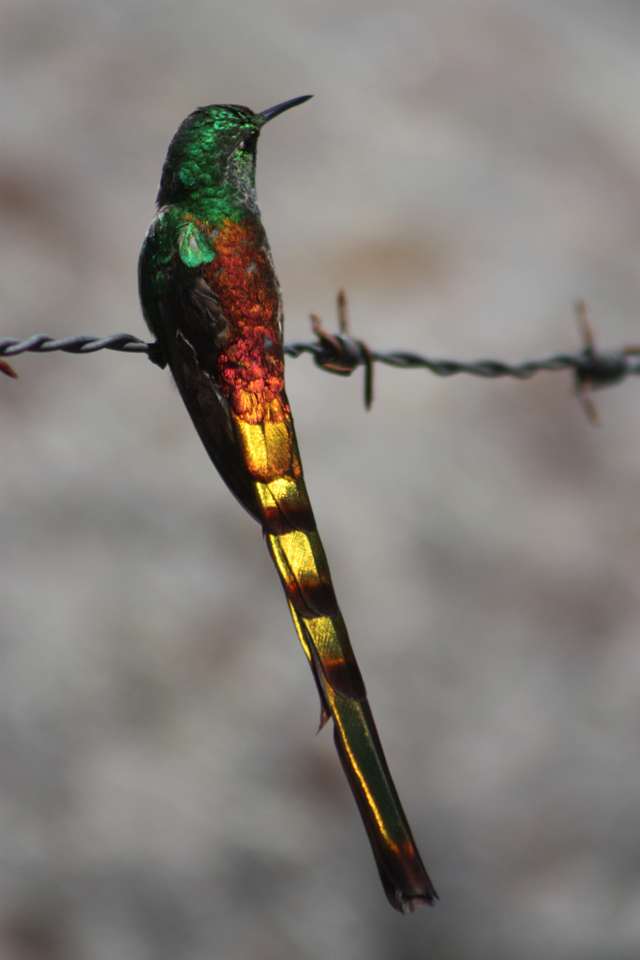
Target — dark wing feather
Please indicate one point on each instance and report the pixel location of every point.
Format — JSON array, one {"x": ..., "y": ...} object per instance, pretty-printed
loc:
[{"x": 190, "y": 327}]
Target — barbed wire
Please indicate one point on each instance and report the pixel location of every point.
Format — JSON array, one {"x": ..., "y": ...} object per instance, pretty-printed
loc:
[{"x": 342, "y": 354}]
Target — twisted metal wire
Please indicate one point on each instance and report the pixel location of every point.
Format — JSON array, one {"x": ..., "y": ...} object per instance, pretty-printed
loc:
[
  {"x": 339, "y": 350},
  {"x": 342, "y": 354},
  {"x": 81, "y": 343},
  {"x": 611, "y": 366}
]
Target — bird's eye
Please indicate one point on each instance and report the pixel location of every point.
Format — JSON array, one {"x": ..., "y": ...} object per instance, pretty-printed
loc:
[{"x": 248, "y": 145}]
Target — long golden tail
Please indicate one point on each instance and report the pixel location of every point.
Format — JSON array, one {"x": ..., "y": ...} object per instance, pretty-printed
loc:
[{"x": 297, "y": 551}]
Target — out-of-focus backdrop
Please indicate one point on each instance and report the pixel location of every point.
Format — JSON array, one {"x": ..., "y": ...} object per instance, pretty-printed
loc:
[{"x": 466, "y": 170}]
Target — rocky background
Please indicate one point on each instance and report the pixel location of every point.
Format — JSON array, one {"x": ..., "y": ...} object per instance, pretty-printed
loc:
[{"x": 466, "y": 170}]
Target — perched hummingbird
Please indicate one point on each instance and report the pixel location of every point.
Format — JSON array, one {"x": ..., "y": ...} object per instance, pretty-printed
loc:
[{"x": 211, "y": 298}]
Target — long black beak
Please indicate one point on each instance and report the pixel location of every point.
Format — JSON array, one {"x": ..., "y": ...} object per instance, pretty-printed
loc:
[{"x": 272, "y": 112}]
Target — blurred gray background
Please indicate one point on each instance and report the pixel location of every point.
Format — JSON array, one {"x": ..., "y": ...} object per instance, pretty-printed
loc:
[{"x": 465, "y": 171}]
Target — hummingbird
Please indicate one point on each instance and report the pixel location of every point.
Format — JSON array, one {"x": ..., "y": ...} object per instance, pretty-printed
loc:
[{"x": 211, "y": 298}]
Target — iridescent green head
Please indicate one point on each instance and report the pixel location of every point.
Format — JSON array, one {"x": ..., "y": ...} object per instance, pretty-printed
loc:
[{"x": 213, "y": 153}]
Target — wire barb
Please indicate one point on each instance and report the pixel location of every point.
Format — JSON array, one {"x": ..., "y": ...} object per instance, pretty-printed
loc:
[
  {"x": 597, "y": 370},
  {"x": 8, "y": 369},
  {"x": 342, "y": 353}
]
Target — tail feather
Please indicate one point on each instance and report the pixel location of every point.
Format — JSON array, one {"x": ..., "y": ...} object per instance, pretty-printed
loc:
[
  {"x": 301, "y": 563},
  {"x": 269, "y": 449},
  {"x": 404, "y": 878}
]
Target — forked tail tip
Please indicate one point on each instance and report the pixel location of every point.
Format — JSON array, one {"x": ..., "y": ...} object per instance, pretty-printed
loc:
[
  {"x": 406, "y": 882},
  {"x": 406, "y": 903}
]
